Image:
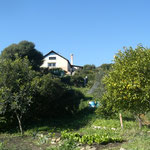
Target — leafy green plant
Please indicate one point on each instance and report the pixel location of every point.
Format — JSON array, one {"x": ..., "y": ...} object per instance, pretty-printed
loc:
[{"x": 91, "y": 139}]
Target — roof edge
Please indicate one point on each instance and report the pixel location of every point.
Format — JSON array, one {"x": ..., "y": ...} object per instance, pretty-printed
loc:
[{"x": 52, "y": 51}]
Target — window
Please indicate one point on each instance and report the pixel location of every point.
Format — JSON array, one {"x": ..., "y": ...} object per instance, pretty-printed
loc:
[
  {"x": 52, "y": 58},
  {"x": 51, "y": 64}
]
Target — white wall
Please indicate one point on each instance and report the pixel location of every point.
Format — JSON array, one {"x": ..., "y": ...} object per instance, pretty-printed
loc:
[{"x": 60, "y": 62}]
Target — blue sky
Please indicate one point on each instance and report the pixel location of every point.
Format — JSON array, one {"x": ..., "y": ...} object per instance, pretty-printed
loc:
[{"x": 93, "y": 30}]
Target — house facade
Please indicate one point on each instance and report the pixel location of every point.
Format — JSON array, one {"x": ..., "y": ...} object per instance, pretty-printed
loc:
[{"x": 54, "y": 60}]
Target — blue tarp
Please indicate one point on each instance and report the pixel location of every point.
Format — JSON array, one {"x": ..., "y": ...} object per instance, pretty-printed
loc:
[{"x": 93, "y": 104}]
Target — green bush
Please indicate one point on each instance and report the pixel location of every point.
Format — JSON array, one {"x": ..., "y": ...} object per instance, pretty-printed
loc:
[
  {"x": 66, "y": 80},
  {"x": 53, "y": 98},
  {"x": 49, "y": 90},
  {"x": 77, "y": 81}
]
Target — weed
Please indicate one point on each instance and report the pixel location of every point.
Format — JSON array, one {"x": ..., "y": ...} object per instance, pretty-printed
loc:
[
  {"x": 66, "y": 145},
  {"x": 2, "y": 146}
]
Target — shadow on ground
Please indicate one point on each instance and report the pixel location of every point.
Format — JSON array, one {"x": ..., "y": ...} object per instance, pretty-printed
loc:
[{"x": 79, "y": 120}]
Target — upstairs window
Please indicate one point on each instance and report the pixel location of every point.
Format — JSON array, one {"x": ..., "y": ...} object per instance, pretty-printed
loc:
[
  {"x": 51, "y": 64},
  {"x": 52, "y": 58}
]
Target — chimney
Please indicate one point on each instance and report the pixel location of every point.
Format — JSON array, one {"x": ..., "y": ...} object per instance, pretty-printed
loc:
[{"x": 71, "y": 59}]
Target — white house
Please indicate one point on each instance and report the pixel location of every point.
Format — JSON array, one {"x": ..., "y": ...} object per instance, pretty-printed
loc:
[{"x": 54, "y": 60}]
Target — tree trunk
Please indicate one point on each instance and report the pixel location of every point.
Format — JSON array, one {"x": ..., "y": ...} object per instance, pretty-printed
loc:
[
  {"x": 20, "y": 124},
  {"x": 121, "y": 122},
  {"x": 140, "y": 121}
]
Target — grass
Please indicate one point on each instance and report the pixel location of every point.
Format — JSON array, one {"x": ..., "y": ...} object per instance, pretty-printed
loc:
[{"x": 137, "y": 140}]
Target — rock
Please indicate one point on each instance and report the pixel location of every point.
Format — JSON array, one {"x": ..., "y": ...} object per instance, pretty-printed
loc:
[
  {"x": 93, "y": 148},
  {"x": 53, "y": 140},
  {"x": 57, "y": 140},
  {"x": 122, "y": 148},
  {"x": 79, "y": 144},
  {"x": 87, "y": 147},
  {"x": 90, "y": 147}
]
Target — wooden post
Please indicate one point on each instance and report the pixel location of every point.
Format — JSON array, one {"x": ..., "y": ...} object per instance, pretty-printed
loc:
[
  {"x": 140, "y": 121},
  {"x": 121, "y": 123}
]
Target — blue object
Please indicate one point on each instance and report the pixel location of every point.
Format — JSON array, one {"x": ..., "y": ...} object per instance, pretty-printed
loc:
[{"x": 91, "y": 104}]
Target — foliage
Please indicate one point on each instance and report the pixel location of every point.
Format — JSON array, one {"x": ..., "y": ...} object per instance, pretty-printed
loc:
[
  {"x": 104, "y": 137},
  {"x": 53, "y": 98},
  {"x": 48, "y": 92},
  {"x": 23, "y": 49},
  {"x": 148, "y": 116},
  {"x": 74, "y": 80},
  {"x": 106, "y": 67},
  {"x": 77, "y": 81},
  {"x": 16, "y": 90},
  {"x": 127, "y": 84},
  {"x": 66, "y": 80},
  {"x": 69, "y": 102},
  {"x": 2, "y": 121},
  {"x": 57, "y": 72},
  {"x": 89, "y": 67},
  {"x": 89, "y": 71}
]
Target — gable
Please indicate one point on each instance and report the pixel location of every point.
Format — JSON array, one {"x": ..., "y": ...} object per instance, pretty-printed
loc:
[{"x": 52, "y": 53}]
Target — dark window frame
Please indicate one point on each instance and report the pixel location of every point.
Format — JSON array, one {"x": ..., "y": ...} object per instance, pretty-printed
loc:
[
  {"x": 51, "y": 64},
  {"x": 52, "y": 58}
]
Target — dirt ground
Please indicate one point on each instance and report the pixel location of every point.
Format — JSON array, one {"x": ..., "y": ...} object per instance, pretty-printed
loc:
[{"x": 30, "y": 143}]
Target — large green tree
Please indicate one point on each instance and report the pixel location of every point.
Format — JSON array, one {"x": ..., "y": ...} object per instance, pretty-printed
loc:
[
  {"x": 16, "y": 88},
  {"x": 23, "y": 49},
  {"x": 128, "y": 83}
]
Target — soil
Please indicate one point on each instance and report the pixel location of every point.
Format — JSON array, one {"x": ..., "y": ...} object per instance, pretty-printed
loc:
[{"x": 22, "y": 143}]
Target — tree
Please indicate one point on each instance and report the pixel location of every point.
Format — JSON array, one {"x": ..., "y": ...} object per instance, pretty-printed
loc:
[
  {"x": 16, "y": 90},
  {"x": 23, "y": 49},
  {"x": 105, "y": 67},
  {"x": 127, "y": 84}
]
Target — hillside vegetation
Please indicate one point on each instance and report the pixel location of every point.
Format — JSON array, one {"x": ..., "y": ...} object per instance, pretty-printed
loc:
[{"x": 41, "y": 109}]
